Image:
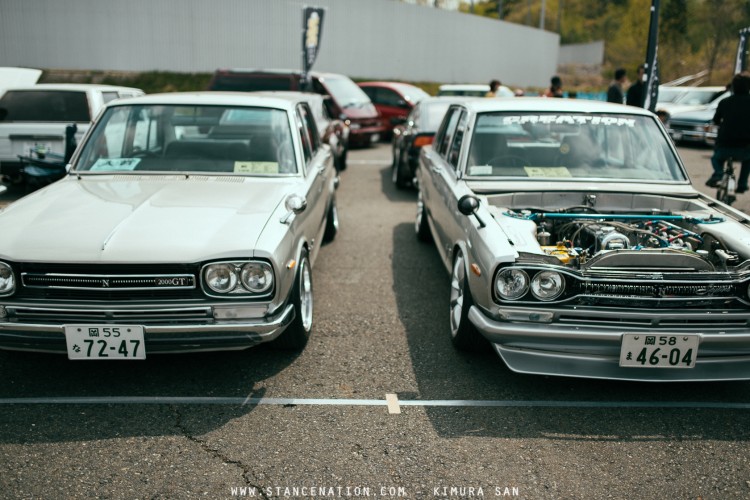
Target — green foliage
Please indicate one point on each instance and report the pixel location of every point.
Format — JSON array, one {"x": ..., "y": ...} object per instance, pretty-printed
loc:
[{"x": 694, "y": 35}]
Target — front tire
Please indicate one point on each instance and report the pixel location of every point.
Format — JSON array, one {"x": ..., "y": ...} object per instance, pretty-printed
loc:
[
  {"x": 464, "y": 334},
  {"x": 297, "y": 334},
  {"x": 397, "y": 175}
]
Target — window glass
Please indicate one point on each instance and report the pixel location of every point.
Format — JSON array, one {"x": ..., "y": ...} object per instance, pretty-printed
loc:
[
  {"x": 192, "y": 139},
  {"x": 44, "y": 106},
  {"x": 109, "y": 96},
  {"x": 458, "y": 137},
  {"x": 450, "y": 128},
  {"x": 387, "y": 97},
  {"x": 543, "y": 146}
]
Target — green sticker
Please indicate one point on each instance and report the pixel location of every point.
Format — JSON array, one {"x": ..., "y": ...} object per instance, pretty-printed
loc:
[{"x": 115, "y": 164}]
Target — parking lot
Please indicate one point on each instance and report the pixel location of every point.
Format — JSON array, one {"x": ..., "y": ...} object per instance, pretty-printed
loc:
[{"x": 378, "y": 405}]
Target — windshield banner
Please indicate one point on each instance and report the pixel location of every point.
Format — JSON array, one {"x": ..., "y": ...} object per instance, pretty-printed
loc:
[
  {"x": 651, "y": 69},
  {"x": 740, "y": 64},
  {"x": 312, "y": 28}
]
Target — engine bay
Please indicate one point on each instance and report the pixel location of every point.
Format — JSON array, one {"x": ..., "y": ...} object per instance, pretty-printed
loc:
[{"x": 590, "y": 235}]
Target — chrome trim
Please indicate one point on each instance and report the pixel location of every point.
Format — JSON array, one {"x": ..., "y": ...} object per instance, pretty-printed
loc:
[{"x": 105, "y": 284}]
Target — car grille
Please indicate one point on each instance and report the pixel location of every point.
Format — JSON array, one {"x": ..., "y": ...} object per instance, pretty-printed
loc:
[
  {"x": 146, "y": 316},
  {"x": 109, "y": 282}
]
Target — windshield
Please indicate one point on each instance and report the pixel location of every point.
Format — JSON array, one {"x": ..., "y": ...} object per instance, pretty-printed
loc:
[
  {"x": 571, "y": 146},
  {"x": 697, "y": 97},
  {"x": 411, "y": 93},
  {"x": 199, "y": 139},
  {"x": 345, "y": 91},
  {"x": 667, "y": 94}
]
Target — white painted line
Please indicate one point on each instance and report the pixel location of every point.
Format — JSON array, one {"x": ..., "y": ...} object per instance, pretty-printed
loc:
[
  {"x": 370, "y": 162},
  {"x": 104, "y": 400},
  {"x": 393, "y": 407}
]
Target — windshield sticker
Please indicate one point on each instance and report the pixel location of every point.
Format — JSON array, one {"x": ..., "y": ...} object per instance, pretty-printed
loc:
[
  {"x": 552, "y": 172},
  {"x": 256, "y": 167},
  {"x": 569, "y": 120},
  {"x": 115, "y": 164},
  {"x": 480, "y": 170}
]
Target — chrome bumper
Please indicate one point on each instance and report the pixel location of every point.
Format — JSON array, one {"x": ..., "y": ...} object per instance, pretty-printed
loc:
[
  {"x": 167, "y": 338},
  {"x": 590, "y": 350}
]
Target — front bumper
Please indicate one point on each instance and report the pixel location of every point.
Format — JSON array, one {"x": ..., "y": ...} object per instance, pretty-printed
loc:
[
  {"x": 587, "y": 342},
  {"x": 48, "y": 336}
]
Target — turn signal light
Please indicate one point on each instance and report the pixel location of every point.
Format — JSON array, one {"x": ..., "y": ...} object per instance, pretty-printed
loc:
[{"x": 422, "y": 141}]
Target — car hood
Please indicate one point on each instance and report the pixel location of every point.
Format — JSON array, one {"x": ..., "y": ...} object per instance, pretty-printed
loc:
[
  {"x": 143, "y": 219},
  {"x": 698, "y": 115}
]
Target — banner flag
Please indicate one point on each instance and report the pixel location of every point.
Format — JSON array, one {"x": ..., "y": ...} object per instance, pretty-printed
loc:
[
  {"x": 651, "y": 75},
  {"x": 312, "y": 28},
  {"x": 740, "y": 64}
]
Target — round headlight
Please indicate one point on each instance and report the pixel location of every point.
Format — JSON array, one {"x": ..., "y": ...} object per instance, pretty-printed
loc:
[
  {"x": 7, "y": 280},
  {"x": 511, "y": 284},
  {"x": 221, "y": 278},
  {"x": 257, "y": 277},
  {"x": 547, "y": 285}
]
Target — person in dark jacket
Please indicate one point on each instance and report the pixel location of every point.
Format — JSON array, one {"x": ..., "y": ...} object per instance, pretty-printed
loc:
[
  {"x": 616, "y": 92},
  {"x": 635, "y": 91},
  {"x": 733, "y": 139}
]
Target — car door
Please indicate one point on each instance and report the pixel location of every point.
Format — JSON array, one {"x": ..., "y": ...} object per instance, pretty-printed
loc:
[
  {"x": 436, "y": 178},
  {"x": 319, "y": 176}
]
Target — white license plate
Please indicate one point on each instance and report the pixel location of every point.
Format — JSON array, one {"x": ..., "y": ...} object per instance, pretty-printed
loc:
[
  {"x": 374, "y": 138},
  {"x": 105, "y": 342},
  {"x": 40, "y": 148},
  {"x": 659, "y": 351},
  {"x": 676, "y": 136}
]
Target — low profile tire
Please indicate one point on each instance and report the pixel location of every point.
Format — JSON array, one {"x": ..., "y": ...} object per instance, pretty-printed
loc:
[
  {"x": 332, "y": 223},
  {"x": 463, "y": 333},
  {"x": 397, "y": 175},
  {"x": 421, "y": 226},
  {"x": 297, "y": 334}
]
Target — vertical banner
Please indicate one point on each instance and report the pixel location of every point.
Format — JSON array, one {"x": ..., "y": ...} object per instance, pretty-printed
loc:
[
  {"x": 651, "y": 75},
  {"x": 740, "y": 64},
  {"x": 312, "y": 28}
]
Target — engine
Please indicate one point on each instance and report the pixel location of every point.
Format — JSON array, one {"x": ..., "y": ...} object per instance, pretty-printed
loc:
[{"x": 668, "y": 240}]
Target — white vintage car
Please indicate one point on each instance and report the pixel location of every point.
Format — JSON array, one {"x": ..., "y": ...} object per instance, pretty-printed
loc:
[
  {"x": 188, "y": 222},
  {"x": 578, "y": 247}
]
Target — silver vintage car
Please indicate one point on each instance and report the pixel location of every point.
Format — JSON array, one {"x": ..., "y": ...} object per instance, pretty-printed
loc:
[
  {"x": 578, "y": 247},
  {"x": 187, "y": 222}
]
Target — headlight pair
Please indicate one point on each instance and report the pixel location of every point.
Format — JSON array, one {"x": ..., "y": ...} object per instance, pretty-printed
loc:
[
  {"x": 513, "y": 284},
  {"x": 232, "y": 278},
  {"x": 7, "y": 279}
]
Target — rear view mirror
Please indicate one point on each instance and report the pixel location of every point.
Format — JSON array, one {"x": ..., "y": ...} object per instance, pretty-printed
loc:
[{"x": 468, "y": 204}]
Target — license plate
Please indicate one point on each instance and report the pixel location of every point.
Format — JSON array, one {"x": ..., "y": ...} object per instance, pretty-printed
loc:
[
  {"x": 375, "y": 138},
  {"x": 659, "y": 351},
  {"x": 105, "y": 342},
  {"x": 40, "y": 149},
  {"x": 676, "y": 136}
]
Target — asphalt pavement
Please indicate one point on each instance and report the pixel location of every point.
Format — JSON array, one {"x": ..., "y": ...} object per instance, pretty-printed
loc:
[{"x": 379, "y": 404}]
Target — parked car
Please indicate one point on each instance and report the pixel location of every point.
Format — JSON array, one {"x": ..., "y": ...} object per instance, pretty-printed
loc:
[
  {"x": 696, "y": 126},
  {"x": 348, "y": 101},
  {"x": 410, "y": 137},
  {"x": 188, "y": 222},
  {"x": 333, "y": 131},
  {"x": 33, "y": 120},
  {"x": 472, "y": 90},
  {"x": 18, "y": 77},
  {"x": 679, "y": 99},
  {"x": 582, "y": 249},
  {"x": 393, "y": 100}
]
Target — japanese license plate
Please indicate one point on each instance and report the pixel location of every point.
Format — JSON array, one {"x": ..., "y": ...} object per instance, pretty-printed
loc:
[
  {"x": 659, "y": 351},
  {"x": 40, "y": 148},
  {"x": 105, "y": 342}
]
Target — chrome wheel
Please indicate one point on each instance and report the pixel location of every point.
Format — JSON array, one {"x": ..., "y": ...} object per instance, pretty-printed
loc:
[
  {"x": 458, "y": 282},
  {"x": 305, "y": 295}
]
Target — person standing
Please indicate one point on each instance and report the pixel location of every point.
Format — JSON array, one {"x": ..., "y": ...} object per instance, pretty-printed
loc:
[
  {"x": 555, "y": 88},
  {"x": 733, "y": 139},
  {"x": 615, "y": 93},
  {"x": 494, "y": 85},
  {"x": 635, "y": 91}
]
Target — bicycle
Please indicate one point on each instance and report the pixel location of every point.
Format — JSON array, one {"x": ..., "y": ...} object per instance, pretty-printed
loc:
[{"x": 726, "y": 191}]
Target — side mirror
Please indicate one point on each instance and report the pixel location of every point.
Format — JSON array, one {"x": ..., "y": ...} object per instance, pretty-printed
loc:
[
  {"x": 295, "y": 204},
  {"x": 468, "y": 205}
]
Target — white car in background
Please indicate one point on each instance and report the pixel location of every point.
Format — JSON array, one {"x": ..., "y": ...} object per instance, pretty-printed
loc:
[
  {"x": 472, "y": 90},
  {"x": 33, "y": 119},
  {"x": 679, "y": 99}
]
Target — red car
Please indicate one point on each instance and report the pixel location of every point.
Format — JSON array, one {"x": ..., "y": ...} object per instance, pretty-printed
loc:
[{"x": 393, "y": 100}]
